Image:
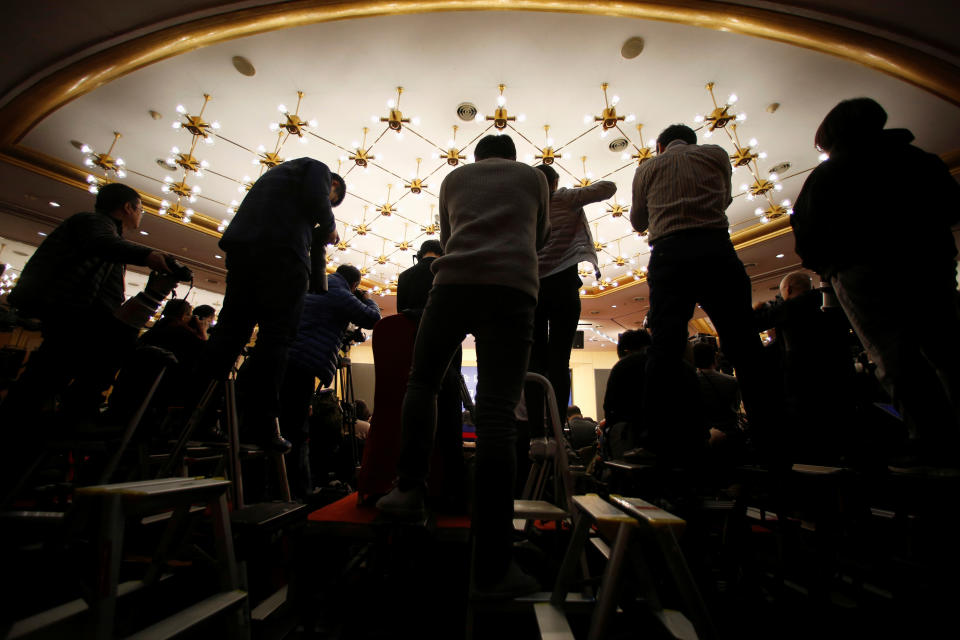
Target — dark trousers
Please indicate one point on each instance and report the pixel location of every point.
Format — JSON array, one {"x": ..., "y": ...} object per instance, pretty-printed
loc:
[
  {"x": 264, "y": 289},
  {"x": 554, "y": 328},
  {"x": 702, "y": 267},
  {"x": 501, "y": 321},
  {"x": 295, "y": 397},
  {"x": 916, "y": 350}
]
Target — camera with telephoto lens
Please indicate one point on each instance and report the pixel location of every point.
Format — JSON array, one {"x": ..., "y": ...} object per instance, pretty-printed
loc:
[{"x": 137, "y": 310}]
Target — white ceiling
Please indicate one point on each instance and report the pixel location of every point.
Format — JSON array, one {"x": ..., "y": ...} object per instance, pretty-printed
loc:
[{"x": 552, "y": 66}]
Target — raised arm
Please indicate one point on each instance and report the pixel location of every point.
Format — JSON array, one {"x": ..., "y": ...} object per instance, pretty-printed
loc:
[{"x": 639, "y": 216}]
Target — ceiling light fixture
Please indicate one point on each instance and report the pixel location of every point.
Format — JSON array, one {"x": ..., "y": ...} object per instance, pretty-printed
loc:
[
  {"x": 104, "y": 161},
  {"x": 500, "y": 116}
]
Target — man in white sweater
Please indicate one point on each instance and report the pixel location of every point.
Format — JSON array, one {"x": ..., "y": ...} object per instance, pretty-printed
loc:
[{"x": 494, "y": 216}]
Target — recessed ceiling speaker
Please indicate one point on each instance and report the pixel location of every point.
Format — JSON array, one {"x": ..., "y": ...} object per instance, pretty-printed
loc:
[
  {"x": 243, "y": 65},
  {"x": 618, "y": 145},
  {"x": 163, "y": 165},
  {"x": 780, "y": 168},
  {"x": 156, "y": 115},
  {"x": 466, "y": 111},
  {"x": 632, "y": 48},
  {"x": 76, "y": 144}
]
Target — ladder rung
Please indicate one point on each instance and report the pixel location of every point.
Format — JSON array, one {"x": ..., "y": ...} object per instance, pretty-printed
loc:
[
  {"x": 552, "y": 622},
  {"x": 66, "y": 611},
  {"x": 646, "y": 512},
  {"x": 601, "y": 546},
  {"x": 191, "y": 616},
  {"x": 537, "y": 510},
  {"x": 263, "y": 610},
  {"x": 601, "y": 510}
]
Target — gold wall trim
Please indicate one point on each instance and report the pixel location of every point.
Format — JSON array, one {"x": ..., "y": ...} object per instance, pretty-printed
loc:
[
  {"x": 55, "y": 169},
  {"x": 25, "y": 111}
]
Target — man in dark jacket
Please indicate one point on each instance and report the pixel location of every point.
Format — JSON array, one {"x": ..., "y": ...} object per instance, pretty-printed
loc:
[
  {"x": 413, "y": 285},
  {"x": 849, "y": 234},
  {"x": 268, "y": 268},
  {"x": 313, "y": 354},
  {"x": 74, "y": 283}
]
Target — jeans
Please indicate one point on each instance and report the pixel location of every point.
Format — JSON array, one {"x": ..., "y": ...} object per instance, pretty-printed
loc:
[
  {"x": 264, "y": 289},
  {"x": 554, "y": 328},
  {"x": 501, "y": 321},
  {"x": 702, "y": 267}
]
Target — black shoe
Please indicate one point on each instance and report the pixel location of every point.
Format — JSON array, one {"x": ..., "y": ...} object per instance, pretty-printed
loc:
[
  {"x": 276, "y": 443},
  {"x": 406, "y": 505},
  {"x": 514, "y": 583}
]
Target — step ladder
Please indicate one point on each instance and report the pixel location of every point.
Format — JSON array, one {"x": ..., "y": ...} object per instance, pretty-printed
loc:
[
  {"x": 113, "y": 505},
  {"x": 637, "y": 530}
]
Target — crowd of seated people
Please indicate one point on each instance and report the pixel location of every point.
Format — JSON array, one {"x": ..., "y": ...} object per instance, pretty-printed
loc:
[{"x": 665, "y": 398}]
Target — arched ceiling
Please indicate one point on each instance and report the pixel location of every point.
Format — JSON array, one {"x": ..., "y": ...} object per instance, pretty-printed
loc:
[{"x": 552, "y": 64}]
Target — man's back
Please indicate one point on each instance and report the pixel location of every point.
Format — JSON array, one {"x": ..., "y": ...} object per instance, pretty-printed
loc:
[
  {"x": 413, "y": 285},
  {"x": 281, "y": 209},
  {"x": 493, "y": 218},
  {"x": 687, "y": 186}
]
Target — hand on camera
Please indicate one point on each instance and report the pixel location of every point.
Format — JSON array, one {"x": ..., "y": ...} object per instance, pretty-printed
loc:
[{"x": 157, "y": 262}]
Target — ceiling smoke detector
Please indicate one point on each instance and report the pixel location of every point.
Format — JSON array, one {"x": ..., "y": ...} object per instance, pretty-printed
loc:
[
  {"x": 780, "y": 169},
  {"x": 466, "y": 111},
  {"x": 618, "y": 145}
]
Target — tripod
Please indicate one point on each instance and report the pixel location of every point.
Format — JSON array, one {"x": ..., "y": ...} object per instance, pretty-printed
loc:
[{"x": 349, "y": 408}]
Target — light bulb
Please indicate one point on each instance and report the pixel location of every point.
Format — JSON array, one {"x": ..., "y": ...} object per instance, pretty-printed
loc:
[
  {"x": 741, "y": 117},
  {"x": 121, "y": 173},
  {"x": 750, "y": 197},
  {"x": 208, "y": 140},
  {"x": 434, "y": 156},
  {"x": 282, "y": 108},
  {"x": 785, "y": 203},
  {"x": 529, "y": 157},
  {"x": 762, "y": 155},
  {"x": 753, "y": 142},
  {"x": 180, "y": 109},
  {"x": 764, "y": 220},
  {"x": 698, "y": 118},
  {"x": 708, "y": 134},
  {"x": 254, "y": 161},
  {"x": 273, "y": 126},
  {"x": 478, "y": 118},
  {"x": 565, "y": 155},
  {"x": 501, "y": 100},
  {"x": 215, "y": 124},
  {"x": 199, "y": 174},
  {"x": 758, "y": 211},
  {"x": 164, "y": 204},
  {"x": 391, "y": 103},
  {"x": 93, "y": 188},
  {"x": 374, "y": 119},
  {"x": 167, "y": 179},
  {"x": 824, "y": 156},
  {"x": 86, "y": 149},
  {"x": 778, "y": 187},
  {"x": 603, "y": 133},
  {"x": 631, "y": 117},
  {"x": 583, "y": 292},
  {"x": 590, "y": 174},
  {"x": 175, "y": 150},
  {"x": 303, "y": 140},
  {"x": 88, "y": 162},
  {"x": 774, "y": 177},
  {"x": 355, "y": 144},
  {"x": 614, "y": 100},
  {"x": 587, "y": 119},
  {"x": 261, "y": 148},
  {"x": 189, "y": 212},
  {"x": 415, "y": 121},
  {"x": 732, "y": 99},
  {"x": 176, "y": 124},
  {"x": 193, "y": 198},
  {"x": 743, "y": 187},
  {"x": 204, "y": 164},
  {"x": 400, "y": 135},
  {"x": 624, "y": 156},
  {"x": 522, "y": 117},
  {"x": 549, "y": 142}
]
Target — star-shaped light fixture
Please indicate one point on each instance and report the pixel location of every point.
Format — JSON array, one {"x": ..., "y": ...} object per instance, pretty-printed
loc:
[
  {"x": 721, "y": 115},
  {"x": 361, "y": 154},
  {"x": 104, "y": 161},
  {"x": 501, "y": 117},
  {"x": 395, "y": 119},
  {"x": 416, "y": 185},
  {"x": 196, "y": 125},
  {"x": 645, "y": 151},
  {"x": 547, "y": 154},
  {"x": 293, "y": 124}
]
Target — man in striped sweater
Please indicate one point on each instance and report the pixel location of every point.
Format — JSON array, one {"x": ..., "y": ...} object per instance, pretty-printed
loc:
[{"x": 681, "y": 197}]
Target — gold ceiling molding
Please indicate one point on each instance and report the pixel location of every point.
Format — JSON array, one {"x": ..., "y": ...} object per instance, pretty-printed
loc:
[{"x": 22, "y": 113}]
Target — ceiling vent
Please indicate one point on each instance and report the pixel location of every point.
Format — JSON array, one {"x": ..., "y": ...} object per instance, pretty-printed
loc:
[
  {"x": 466, "y": 111},
  {"x": 780, "y": 169},
  {"x": 618, "y": 145},
  {"x": 243, "y": 66}
]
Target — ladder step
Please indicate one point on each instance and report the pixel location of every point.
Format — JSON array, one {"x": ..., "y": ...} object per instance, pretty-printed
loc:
[
  {"x": 191, "y": 616},
  {"x": 552, "y": 622},
  {"x": 679, "y": 626},
  {"x": 66, "y": 611},
  {"x": 537, "y": 510},
  {"x": 266, "y": 608},
  {"x": 600, "y": 510},
  {"x": 601, "y": 546}
]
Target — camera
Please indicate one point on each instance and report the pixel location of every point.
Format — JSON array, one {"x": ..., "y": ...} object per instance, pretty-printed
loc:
[{"x": 179, "y": 271}]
